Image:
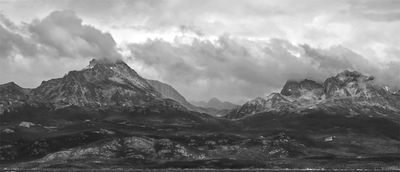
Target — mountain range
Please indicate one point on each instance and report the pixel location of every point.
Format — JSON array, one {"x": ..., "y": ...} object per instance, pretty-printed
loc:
[{"x": 108, "y": 116}]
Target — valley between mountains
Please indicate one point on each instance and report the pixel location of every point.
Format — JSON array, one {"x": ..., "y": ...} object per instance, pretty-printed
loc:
[{"x": 108, "y": 116}]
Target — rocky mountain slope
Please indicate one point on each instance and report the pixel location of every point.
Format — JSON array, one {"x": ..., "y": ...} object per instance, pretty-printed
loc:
[
  {"x": 168, "y": 91},
  {"x": 101, "y": 84},
  {"x": 348, "y": 91}
]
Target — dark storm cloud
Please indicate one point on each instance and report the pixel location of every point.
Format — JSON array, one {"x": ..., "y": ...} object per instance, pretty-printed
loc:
[
  {"x": 228, "y": 68},
  {"x": 7, "y": 23},
  {"x": 47, "y": 48},
  {"x": 333, "y": 59},
  {"x": 12, "y": 42},
  {"x": 64, "y": 31},
  {"x": 233, "y": 68},
  {"x": 60, "y": 34}
]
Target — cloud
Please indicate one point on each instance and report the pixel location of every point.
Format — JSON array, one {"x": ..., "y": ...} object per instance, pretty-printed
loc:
[
  {"x": 356, "y": 24},
  {"x": 12, "y": 42},
  {"x": 381, "y": 11},
  {"x": 364, "y": 26},
  {"x": 64, "y": 32},
  {"x": 238, "y": 69},
  {"x": 49, "y": 47},
  {"x": 60, "y": 35},
  {"x": 315, "y": 39}
]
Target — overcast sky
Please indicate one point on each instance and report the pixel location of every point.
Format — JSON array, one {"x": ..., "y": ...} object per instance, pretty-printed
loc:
[{"x": 231, "y": 49}]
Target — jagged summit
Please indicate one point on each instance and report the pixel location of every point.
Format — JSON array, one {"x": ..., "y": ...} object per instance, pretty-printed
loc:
[
  {"x": 348, "y": 75},
  {"x": 297, "y": 89},
  {"x": 344, "y": 84},
  {"x": 349, "y": 84},
  {"x": 117, "y": 71},
  {"x": 95, "y": 62},
  {"x": 104, "y": 62},
  {"x": 104, "y": 65}
]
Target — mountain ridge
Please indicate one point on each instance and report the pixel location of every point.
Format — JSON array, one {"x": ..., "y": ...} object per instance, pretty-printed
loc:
[
  {"x": 98, "y": 84},
  {"x": 348, "y": 89}
]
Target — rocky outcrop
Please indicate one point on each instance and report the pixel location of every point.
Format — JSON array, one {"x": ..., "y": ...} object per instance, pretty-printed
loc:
[
  {"x": 297, "y": 89},
  {"x": 349, "y": 84}
]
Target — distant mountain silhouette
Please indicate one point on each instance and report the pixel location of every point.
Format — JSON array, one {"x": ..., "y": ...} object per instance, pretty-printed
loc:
[{"x": 215, "y": 103}]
